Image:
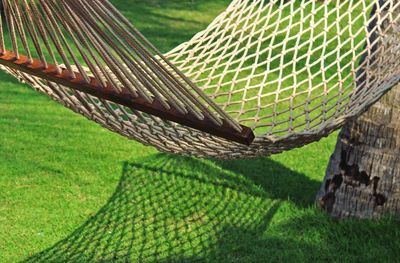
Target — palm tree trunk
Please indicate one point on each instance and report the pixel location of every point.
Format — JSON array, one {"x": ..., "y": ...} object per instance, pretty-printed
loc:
[{"x": 363, "y": 175}]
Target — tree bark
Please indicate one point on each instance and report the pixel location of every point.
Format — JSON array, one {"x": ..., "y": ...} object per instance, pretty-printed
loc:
[{"x": 363, "y": 176}]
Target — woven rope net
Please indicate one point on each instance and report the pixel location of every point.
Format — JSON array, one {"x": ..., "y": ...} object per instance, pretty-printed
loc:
[{"x": 292, "y": 71}]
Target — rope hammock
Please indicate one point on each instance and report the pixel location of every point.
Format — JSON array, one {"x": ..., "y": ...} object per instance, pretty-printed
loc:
[{"x": 264, "y": 77}]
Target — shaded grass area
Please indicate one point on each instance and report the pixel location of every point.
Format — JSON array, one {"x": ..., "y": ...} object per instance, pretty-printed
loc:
[
  {"x": 175, "y": 209},
  {"x": 72, "y": 191}
]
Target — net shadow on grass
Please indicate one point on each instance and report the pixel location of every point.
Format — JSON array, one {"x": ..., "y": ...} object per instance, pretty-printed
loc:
[
  {"x": 275, "y": 180},
  {"x": 176, "y": 209}
]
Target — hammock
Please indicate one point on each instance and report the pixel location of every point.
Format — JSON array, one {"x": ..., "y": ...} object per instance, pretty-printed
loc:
[{"x": 262, "y": 78}]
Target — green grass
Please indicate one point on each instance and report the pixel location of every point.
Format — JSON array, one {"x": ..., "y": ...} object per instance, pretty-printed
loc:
[{"x": 70, "y": 190}]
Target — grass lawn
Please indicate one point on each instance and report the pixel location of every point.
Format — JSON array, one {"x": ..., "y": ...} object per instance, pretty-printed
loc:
[{"x": 72, "y": 191}]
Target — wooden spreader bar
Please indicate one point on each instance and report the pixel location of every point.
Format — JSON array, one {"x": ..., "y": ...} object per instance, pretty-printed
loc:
[{"x": 124, "y": 98}]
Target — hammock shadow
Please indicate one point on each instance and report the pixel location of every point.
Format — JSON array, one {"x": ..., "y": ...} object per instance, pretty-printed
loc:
[
  {"x": 176, "y": 209},
  {"x": 276, "y": 180}
]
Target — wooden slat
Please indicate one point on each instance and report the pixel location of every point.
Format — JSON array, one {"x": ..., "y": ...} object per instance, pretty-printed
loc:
[{"x": 124, "y": 98}]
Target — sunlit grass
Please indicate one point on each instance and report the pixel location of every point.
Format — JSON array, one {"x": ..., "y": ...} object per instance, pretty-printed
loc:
[{"x": 70, "y": 190}]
